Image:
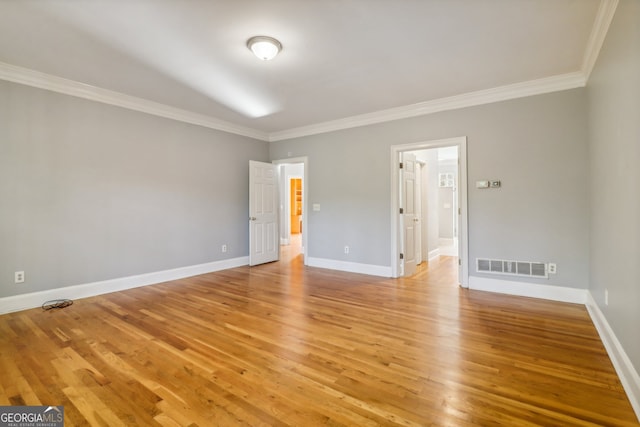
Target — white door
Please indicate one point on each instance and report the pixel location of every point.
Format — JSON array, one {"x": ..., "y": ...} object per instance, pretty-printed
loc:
[
  {"x": 408, "y": 215},
  {"x": 263, "y": 214},
  {"x": 418, "y": 220}
]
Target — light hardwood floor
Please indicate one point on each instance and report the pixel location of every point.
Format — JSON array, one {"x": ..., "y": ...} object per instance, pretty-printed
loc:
[{"x": 281, "y": 344}]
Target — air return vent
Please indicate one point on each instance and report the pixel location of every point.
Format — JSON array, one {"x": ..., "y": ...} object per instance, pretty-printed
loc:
[{"x": 513, "y": 268}]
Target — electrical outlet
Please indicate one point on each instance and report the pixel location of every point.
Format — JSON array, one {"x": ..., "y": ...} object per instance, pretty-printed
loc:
[
  {"x": 19, "y": 276},
  {"x": 552, "y": 269},
  {"x": 346, "y": 249},
  {"x": 224, "y": 248}
]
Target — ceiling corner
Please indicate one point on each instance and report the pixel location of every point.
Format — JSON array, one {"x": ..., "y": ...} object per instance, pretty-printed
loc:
[
  {"x": 25, "y": 76},
  {"x": 604, "y": 16}
]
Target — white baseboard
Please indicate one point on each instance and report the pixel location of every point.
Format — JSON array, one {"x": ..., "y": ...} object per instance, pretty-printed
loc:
[
  {"x": 351, "y": 267},
  {"x": 449, "y": 250},
  {"x": 442, "y": 241},
  {"x": 35, "y": 299},
  {"x": 624, "y": 368},
  {"x": 524, "y": 289},
  {"x": 433, "y": 254}
]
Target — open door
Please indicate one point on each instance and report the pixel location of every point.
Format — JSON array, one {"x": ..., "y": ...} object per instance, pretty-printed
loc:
[
  {"x": 400, "y": 196},
  {"x": 408, "y": 213},
  {"x": 263, "y": 215}
]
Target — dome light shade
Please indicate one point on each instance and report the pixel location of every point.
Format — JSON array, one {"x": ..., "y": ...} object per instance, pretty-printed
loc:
[{"x": 265, "y": 48}]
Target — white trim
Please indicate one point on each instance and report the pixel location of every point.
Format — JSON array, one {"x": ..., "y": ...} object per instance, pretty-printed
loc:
[
  {"x": 471, "y": 99},
  {"x": 624, "y": 368},
  {"x": 622, "y": 364},
  {"x": 463, "y": 237},
  {"x": 526, "y": 289},
  {"x": 45, "y": 81},
  {"x": 351, "y": 267},
  {"x": 604, "y": 16},
  {"x": 35, "y": 299},
  {"x": 53, "y": 83},
  {"x": 449, "y": 250},
  {"x": 434, "y": 254}
]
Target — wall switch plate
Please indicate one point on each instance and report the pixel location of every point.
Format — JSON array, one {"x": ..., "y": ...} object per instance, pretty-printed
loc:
[
  {"x": 552, "y": 268},
  {"x": 316, "y": 207},
  {"x": 606, "y": 297},
  {"x": 19, "y": 276},
  {"x": 224, "y": 248},
  {"x": 346, "y": 249}
]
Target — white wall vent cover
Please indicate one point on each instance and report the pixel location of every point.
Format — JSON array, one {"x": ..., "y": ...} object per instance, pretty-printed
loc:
[{"x": 512, "y": 268}]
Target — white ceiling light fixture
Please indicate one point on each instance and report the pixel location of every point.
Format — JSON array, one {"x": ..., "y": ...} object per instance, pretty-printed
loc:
[{"x": 265, "y": 48}]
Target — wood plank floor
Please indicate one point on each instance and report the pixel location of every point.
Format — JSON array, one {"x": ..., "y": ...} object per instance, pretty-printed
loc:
[{"x": 281, "y": 344}]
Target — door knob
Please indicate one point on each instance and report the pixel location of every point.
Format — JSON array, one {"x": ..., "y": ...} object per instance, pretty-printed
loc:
[{"x": 252, "y": 218}]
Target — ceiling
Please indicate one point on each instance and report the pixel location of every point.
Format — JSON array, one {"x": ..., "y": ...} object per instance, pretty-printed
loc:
[{"x": 342, "y": 59}]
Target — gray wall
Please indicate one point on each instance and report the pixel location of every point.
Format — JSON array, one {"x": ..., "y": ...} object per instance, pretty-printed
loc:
[
  {"x": 91, "y": 192},
  {"x": 537, "y": 146},
  {"x": 614, "y": 135}
]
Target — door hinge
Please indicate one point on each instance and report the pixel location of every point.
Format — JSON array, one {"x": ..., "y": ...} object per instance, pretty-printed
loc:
[
  {"x": 401, "y": 256},
  {"x": 400, "y": 165},
  {"x": 459, "y": 261},
  {"x": 401, "y": 210},
  {"x": 459, "y": 211}
]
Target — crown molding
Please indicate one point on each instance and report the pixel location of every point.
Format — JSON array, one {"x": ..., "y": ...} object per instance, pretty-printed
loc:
[
  {"x": 471, "y": 99},
  {"x": 604, "y": 16},
  {"x": 45, "y": 81}
]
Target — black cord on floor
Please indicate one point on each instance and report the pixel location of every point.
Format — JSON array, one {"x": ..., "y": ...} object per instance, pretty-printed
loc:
[{"x": 56, "y": 303}]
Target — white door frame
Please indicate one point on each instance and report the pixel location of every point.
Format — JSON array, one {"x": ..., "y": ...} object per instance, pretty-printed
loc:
[
  {"x": 305, "y": 200},
  {"x": 419, "y": 172},
  {"x": 463, "y": 235}
]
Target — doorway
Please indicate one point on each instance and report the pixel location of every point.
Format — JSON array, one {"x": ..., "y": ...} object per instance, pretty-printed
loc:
[
  {"x": 429, "y": 204},
  {"x": 293, "y": 185},
  {"x": 295, "y": 205}
]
